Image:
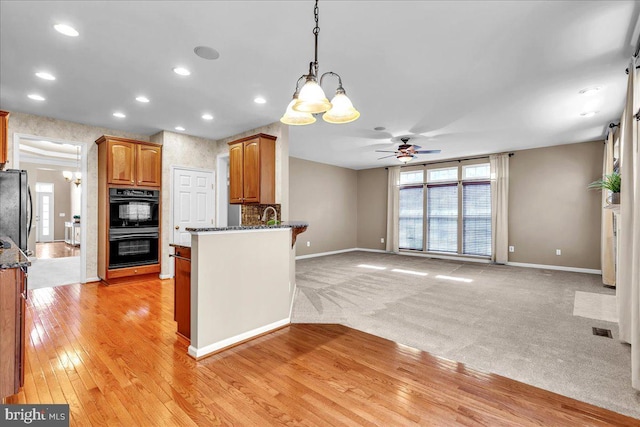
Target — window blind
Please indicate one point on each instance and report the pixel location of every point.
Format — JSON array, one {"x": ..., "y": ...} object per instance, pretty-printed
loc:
[
  {"x": 410, "y": 215},
  {"x": 442, "y": 218},
  {"x": 476, "y": 218}
]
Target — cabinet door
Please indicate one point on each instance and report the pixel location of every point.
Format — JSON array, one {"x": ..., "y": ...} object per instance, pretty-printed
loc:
[
  {"x": 149, "y": 161},
  {"x": 236, "y": 152},
  {"x": 120, "y": 163},
  {"x": 4, "y": 123},
  {"x": 251, "y": 171}
]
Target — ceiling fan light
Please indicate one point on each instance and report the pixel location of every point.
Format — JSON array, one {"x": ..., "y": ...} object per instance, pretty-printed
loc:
[
  {"x": 296, "y": 118},
  {"x": 405, "y": 158},
  {"x": 311, "y": 99},
  {"x": 342, "y": 110}
]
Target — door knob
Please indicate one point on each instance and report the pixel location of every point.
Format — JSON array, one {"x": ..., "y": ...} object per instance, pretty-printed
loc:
[{"x": 177, "y": 227}]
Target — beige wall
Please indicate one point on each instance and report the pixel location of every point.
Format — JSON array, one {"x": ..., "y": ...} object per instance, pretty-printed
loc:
[
  {"x": 550, "y": 207},
  {"x": 372, "y": 208},
  {"x": 29, "y": 124},
  {"x": 326, "y": 197}
]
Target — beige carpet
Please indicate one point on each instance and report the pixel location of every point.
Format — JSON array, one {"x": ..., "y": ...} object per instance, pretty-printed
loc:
[
  {"x": 595, "y": 306},
  {"x": 513, "y": 321},
  {"x": 50, "y": 272}
]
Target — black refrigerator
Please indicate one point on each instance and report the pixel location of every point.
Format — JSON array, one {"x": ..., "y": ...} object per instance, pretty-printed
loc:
[{"x": 15, "y": 207}]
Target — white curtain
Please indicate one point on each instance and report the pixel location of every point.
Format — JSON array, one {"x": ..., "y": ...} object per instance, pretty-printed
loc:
[
  {"x": 393, "y": 195},
  {"x": 499, "y": 207},
  {"x": 607, "y": 253},
  {"x": 628, "y": 273}
]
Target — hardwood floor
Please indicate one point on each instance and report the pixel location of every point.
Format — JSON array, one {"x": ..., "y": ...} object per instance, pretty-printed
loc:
[
  {"x": 112, "y": 353},
  {"x": 56, "y": 250}
]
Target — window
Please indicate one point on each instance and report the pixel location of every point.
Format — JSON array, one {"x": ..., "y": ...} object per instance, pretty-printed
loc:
[
  {"x": 411, "y": 218},
  {"x": 456, "y": 216}
]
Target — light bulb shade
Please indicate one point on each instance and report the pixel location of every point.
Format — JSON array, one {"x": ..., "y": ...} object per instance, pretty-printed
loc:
[
  {"x": 67, "y": 175},
  {"x": 78, "y": 175},
  {"x": 405, "y": 158},
  {"x": 342, "y": 110},
  {"x": 295, "y": 118},
  {"x": 311, "y": 99}
]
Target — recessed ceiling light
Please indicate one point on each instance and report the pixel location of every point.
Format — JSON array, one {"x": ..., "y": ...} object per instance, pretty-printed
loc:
[
  {"x": 260, "y": 100},
  {"x": 45, "y": 76},
  {"x": 181, "y": 71},
  {"x": 119, "y": 115},
  {"x": 379, "y": 128},
  {"x": 142, "y": 99},
  {"x": 206, "y": 52},
  {"x": 66, "y": 30},
  {"x": 36, "y": 97},
  {"x": 180, "y": 128},
  {"x": 207, "y": 116},
  {"x": 588, "y": 113},
  {"x": 590, "y": 90}
]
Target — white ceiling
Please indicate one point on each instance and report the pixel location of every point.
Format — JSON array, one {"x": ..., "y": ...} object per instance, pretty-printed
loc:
[{"x": 470, "y": 77}]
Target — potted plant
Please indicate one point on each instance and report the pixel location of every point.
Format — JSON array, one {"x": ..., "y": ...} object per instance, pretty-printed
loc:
[{"x": 609, "y": 182}]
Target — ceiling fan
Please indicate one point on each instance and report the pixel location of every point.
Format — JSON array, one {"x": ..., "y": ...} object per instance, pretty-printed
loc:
[{"x": 406, "y": 152}]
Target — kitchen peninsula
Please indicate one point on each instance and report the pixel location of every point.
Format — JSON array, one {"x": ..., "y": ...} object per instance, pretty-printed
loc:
[{"x": 242, "y": 283}]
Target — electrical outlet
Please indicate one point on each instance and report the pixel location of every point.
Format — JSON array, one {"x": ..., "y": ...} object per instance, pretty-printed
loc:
[
  {"x": 308, "y": 244},
  {"x": 512, "y": 248},
  {"x": 558, "y": 252},
  {"x": 382, "y": 240},
  {"x": 62, "y": 214}
]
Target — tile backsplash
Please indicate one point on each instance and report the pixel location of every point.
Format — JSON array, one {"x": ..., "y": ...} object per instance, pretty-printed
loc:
[{"x": 252, "y": 214}]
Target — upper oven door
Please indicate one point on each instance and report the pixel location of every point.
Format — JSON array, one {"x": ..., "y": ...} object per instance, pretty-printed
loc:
[{"x": 133, "y": 209}]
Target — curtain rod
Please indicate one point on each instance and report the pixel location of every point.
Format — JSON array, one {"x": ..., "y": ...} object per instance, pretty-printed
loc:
[{"x": 448, "y": 161}]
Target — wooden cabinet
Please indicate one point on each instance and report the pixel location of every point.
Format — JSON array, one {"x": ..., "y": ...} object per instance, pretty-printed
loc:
[
  {"x": 13, "y": 291},
  {"x": 126, "y": 163},
  {"x": 4, "y": 137},
  {"x": 131, "y": 163},
  {"x": 182, "y": 290},
  {"x": 252, "y": 170}
]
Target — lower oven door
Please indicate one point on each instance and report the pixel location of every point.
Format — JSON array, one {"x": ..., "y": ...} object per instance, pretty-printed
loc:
[{"x": 132, "y": 248}]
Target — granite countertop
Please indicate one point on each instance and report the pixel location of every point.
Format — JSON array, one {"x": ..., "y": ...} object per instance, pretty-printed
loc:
[
  {"x": 296, "y": 225},
  {"x": 12, "y": 257}
]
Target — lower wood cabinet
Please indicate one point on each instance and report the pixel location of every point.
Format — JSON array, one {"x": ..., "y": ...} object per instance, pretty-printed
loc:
[
  {"x": 182, "y": 297},
  {"x": 13, "y": 291}
]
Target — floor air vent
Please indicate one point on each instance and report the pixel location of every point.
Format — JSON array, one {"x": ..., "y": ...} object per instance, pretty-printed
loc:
[{"x": 602, "y": 332}]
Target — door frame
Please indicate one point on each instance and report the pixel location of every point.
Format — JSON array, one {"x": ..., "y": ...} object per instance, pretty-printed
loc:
[
  {"x": 84, "y": 195},
  {"x": 169, "y": 232},
  {"x": 222, "y": 166}
]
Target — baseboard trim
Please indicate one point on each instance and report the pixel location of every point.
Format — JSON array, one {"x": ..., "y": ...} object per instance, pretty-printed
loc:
[
  {"x": 319, "y": 254},
  {"x": 92, "y": 279},
  {"x": 166, "y": 276},
  {"x": 447, "y": 257},
  {"x": 199, "y": 353},
  {"x": 380, "y": 251},
  {"x": 555, "y": 267}
]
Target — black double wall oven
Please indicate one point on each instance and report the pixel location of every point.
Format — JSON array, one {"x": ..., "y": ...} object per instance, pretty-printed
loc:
[{"x": 133, "y": 227}]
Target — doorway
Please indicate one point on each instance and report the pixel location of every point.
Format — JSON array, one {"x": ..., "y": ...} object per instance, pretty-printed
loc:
[{"x": 55, "y": 171}]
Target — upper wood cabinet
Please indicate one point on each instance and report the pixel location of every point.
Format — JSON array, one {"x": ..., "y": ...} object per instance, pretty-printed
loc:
[
  {"x": 131, "y": 163},
  {"x": 252, "y": 170},
  {"x": 4, "y": 143}
]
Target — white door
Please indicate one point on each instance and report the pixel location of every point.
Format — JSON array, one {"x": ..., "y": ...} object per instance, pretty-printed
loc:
[
  {"x": 193, "y": 199},
  {"x": 44, "y": 218}
]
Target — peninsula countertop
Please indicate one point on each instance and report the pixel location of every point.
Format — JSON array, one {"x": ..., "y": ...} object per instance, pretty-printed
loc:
[
  {"x": 287, "y": 224},
  {"x": 12, "y": 257}
]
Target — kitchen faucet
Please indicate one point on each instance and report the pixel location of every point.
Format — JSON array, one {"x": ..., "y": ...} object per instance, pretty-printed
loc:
[{"x": 275, "y": 214}]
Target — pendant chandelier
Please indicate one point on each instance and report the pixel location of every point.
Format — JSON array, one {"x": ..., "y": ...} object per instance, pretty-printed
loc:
[
  {"x": 311, "y": 98},
  {"x": 69, "y": 176}
]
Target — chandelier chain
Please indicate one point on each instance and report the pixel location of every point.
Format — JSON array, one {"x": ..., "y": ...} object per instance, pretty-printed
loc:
[{"x": 316, "y": 31}]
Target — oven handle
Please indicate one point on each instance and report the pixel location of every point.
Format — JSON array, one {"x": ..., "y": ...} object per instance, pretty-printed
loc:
[
  {"x": 132, "y": 236},
  {"x": 118, "y": 199}
]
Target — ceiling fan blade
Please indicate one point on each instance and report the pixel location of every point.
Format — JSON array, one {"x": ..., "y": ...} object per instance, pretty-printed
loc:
[
  {"x": 385, "y": 151},
  {"x": 428, "y": 151},
  {"x": 386, "y": 157},
  {"x": 416, "y": 147}
]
